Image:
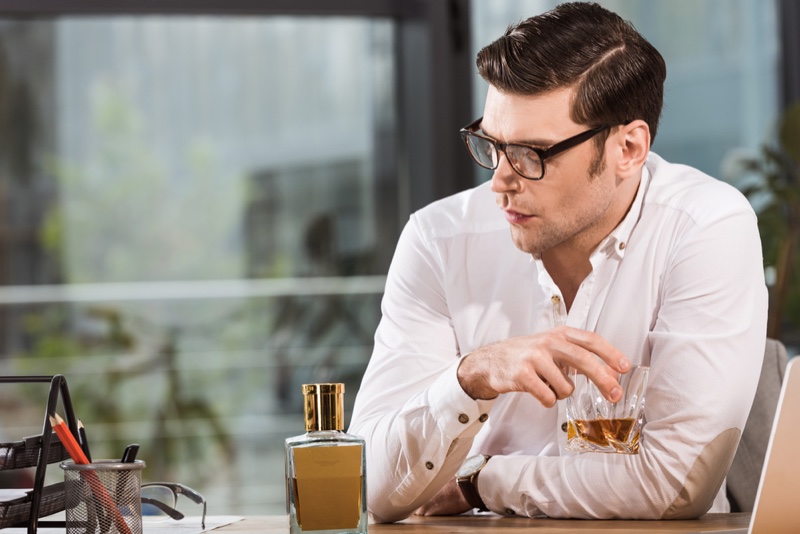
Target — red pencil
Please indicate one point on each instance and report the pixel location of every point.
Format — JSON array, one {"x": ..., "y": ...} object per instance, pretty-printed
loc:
[
  {"x": 68, "y": 440},
  {"x": 77, "y": 455}
]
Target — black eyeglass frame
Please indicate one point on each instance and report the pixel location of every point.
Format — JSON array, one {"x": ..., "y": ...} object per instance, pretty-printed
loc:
[
  {"x": 177, "y": 490},
  {"x": 542, "y": 153}
]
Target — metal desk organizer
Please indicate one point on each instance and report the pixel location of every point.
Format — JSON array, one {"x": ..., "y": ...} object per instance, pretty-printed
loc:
[
  {"x": 103, "y": 497},
  {"x": 38, "y": 451}
]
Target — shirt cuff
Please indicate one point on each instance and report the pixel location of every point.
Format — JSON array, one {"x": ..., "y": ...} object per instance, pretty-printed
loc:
[
  {"x": 493, "y": 482},
  {"x": 456, "y": 413}
]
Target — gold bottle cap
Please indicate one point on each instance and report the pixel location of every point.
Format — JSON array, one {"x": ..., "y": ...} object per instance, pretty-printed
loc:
[{"x": 324, "y": 406}]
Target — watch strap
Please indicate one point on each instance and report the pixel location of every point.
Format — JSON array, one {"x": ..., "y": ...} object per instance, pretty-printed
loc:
[{"x": 469, "y": 488}]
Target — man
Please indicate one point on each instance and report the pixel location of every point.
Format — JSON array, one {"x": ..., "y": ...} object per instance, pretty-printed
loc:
[{"x": 616, "y": 258}]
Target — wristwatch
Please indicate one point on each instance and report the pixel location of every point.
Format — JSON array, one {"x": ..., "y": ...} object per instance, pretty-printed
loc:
[{"x": 467, "y": 479}]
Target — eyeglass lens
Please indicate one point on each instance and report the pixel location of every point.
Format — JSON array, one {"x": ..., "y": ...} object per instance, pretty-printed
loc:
[
  {"x": 524, "y": 160},
  {"x": 161, "y": 494}
]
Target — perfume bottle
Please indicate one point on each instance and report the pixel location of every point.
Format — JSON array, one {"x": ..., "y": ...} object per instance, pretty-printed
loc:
[{"x": 326, "y": 488}]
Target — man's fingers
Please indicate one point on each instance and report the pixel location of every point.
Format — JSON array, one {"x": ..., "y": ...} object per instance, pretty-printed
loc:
[
  {"x": 541, "y": 390},
  {"x": 591, "y": 355},
  {"x": 556, "y": 380},
  {"x": 598, "y": 346},
  {"x": 536, "y": 364},
  {"x": 605, "y": 378},
  {"x": 448, "y": 501}
]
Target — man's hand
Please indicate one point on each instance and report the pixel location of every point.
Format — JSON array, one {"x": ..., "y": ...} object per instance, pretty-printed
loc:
[
  {"x": 537, "y": 364},
  {"x": 449, "y": 501}
]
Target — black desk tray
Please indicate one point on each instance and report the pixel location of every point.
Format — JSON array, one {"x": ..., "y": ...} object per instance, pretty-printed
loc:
[
  {"x": 26, "y": 453},
  {"x": 17, "y": 512},
  {"x": 37, "y": 451}
]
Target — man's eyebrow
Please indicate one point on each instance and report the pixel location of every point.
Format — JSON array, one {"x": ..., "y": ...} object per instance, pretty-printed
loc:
[{"x": 538, "y": 143}]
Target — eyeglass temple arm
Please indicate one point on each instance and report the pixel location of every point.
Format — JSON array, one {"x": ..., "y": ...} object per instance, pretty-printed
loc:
[
  {"x": 172, "y": 512},
  {"x": 473, "y": 124}
]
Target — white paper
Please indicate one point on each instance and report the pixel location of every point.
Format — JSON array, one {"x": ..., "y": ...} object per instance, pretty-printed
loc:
[{"x": 187, "y": 525}]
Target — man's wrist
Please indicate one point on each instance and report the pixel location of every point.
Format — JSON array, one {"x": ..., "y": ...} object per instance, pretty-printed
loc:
[
  {"x": 467, "y": 480},
  {"x": 473, "y": 380}
]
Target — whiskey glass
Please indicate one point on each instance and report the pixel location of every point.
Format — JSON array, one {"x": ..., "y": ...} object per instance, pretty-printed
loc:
[{"x": 595, "y": 424}]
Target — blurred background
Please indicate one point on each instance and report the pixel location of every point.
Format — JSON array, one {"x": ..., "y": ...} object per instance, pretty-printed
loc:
[{"x": 199, "y": 199}]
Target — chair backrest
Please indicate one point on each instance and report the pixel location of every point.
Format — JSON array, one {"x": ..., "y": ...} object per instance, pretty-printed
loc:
[{"x": 745, "y": 471}]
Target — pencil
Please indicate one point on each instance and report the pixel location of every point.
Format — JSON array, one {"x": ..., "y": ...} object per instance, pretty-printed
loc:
[
  {"x": 84, "y": 442},
  {"x": 68, "y": 440},
  {"x": 78, "y": 456}
]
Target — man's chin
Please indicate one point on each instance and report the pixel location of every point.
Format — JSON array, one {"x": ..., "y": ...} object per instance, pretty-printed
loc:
[
  {"x": 525, "y": 244},
  {"x": 535, "y": 242}
]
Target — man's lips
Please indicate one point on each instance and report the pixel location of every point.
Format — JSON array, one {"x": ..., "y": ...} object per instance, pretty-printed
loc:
[{"x": 515, "y": 217}]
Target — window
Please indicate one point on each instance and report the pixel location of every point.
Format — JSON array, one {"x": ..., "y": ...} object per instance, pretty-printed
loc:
[{"x": 197, "y": 216}]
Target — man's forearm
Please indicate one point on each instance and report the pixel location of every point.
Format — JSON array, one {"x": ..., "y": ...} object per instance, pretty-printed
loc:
[{"x": 414, "y": 445}]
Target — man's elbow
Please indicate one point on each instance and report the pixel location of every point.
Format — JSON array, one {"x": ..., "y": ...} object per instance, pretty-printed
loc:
[
  {"x": 382, "y": 503},
  {"x": 393, "y": 501},
  {"x": 704, "y": 479},
  {"x": 382, "y": 511},
  {"x": 381, "y": 516}
]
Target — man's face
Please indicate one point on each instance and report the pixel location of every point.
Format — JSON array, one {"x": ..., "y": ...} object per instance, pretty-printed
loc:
[{"x": 568, "y": 207}]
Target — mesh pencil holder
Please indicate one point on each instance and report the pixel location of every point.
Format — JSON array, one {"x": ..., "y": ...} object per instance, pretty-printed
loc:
[{"x": 103, "y": 497}]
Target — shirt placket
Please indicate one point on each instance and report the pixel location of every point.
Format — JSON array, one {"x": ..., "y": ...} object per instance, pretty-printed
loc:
[{"x": 559, "y": 311}]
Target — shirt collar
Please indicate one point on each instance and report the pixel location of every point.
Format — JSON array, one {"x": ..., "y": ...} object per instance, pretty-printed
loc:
[{"x": 618, "y": 239}]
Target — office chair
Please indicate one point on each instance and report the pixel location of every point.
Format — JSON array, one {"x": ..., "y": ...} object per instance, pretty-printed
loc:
[{"x": 745, "y": 471}]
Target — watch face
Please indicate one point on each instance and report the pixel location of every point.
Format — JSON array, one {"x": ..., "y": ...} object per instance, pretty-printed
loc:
[{"x": 471, "y": 465}]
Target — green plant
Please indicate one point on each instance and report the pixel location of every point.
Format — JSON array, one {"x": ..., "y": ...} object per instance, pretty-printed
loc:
[{"x": 776, "y": 196}]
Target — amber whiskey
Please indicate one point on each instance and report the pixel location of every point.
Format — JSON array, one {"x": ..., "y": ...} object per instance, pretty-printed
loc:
[
  {"x": 606, "y": 433},
  {"x": 325, "y": 468}
]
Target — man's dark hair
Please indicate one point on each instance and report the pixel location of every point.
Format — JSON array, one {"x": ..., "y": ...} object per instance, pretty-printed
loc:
[{"x": 617, "y": 74}]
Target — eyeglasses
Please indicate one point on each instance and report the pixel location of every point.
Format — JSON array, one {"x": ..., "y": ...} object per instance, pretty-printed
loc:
[
  {"x": 159, "y": 498},
  {"x": 526, "y": 160}
]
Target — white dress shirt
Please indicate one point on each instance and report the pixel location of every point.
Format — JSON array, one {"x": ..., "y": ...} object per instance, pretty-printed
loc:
[{"x": 678, "y": 285}]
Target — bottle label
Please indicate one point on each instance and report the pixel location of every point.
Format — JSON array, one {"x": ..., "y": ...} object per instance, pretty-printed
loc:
[{"x": 328, "y": 487}]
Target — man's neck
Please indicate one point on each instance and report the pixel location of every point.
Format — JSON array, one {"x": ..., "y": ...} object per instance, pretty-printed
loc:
[
  {"x": 568, "y": 268},
  {"x": 568, "y": 263}
]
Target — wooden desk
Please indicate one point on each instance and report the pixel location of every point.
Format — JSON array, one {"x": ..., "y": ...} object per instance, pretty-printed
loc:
[{"x": 499, "y": 525}]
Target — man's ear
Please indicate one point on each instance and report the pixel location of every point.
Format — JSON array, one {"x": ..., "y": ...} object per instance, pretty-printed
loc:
[{"x": 634, "y": 145}]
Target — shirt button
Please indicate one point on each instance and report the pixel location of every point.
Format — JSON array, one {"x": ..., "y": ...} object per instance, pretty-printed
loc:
[
  {"x": 483, "y": 418},
  {"x": 622, "y": 246},
  {"x": 564, "y": 426},
  {"x": 509, "y": 511},
  {"x": 463, "y": 418},
  {"x": 555, "y": 299},
  {"x": 428, "y": 465}
]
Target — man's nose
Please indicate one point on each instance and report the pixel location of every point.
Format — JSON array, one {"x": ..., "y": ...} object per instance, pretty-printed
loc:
[{"x": 504, "y": 177}]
